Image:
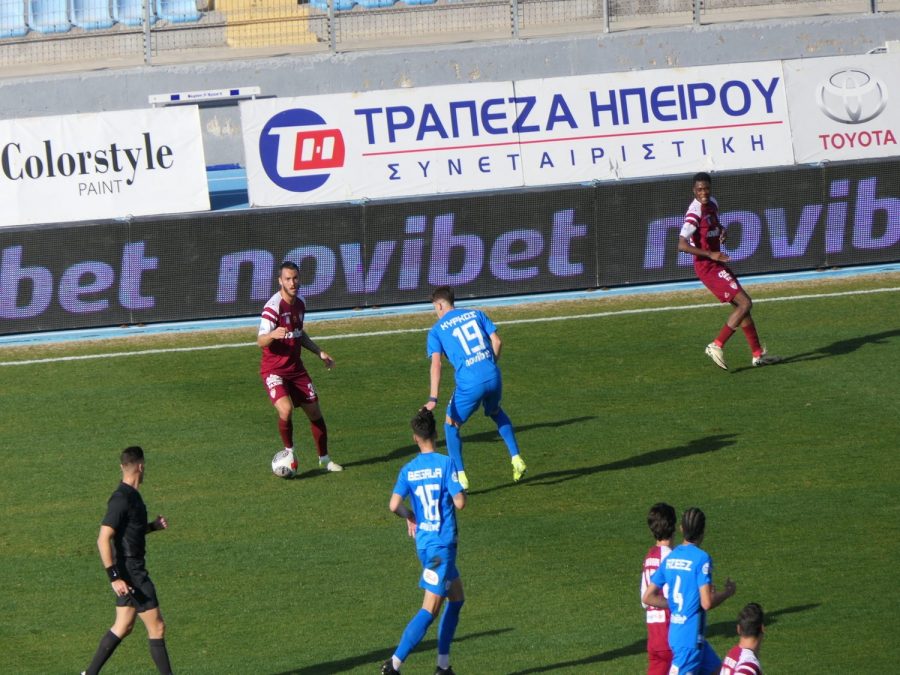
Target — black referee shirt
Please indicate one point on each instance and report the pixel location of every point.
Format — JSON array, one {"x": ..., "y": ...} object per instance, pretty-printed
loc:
[{"x": 127, "y": 515}]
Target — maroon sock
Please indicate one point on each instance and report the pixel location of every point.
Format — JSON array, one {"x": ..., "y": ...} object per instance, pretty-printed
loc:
[
  {"x": 726, "y": 332},
  {"x": 320, "y": 436},
  {"x": 752, "y": 337},
  {"x": 286, "y": 429}
]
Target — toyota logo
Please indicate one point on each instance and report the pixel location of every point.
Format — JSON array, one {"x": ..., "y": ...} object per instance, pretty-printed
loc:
[{"x": 851, "y": 96}]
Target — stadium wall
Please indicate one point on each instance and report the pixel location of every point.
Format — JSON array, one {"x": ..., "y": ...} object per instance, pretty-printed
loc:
[
  {"x": 298, "y": 75},
  {"x": 223, "y": 264}
]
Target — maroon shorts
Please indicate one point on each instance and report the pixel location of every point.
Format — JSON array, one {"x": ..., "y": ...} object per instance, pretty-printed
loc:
[
  {"x": 719, "y": 280},
  {"x": 298, "y": 386}
]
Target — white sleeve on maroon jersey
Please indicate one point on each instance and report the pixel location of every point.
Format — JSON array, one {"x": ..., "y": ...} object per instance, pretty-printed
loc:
[
  {"x": 691, "y": 220},
  {"x": 269, "y": 319}
]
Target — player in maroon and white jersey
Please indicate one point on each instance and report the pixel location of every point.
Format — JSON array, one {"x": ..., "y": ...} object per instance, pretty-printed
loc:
[
  {"x": 702, "y": 235},
  {"x": 281, "y": 337},
  {"x": 743, "y": 658},
  {"x": 661, "y": 520}
]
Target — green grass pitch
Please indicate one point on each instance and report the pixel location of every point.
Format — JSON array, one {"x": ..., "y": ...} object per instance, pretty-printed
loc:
[{"x": 796, "y": 466}]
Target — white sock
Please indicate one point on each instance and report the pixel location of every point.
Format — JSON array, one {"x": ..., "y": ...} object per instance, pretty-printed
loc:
[
  {"x": 396, "y": 662},
  {"x": 443, "y": 661},
  {"x": 289, "y": 449}
]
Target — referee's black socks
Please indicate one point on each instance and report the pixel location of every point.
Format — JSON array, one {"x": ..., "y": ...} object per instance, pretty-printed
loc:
[
  {"x": 160, "y": 656},
  {"x": 107, "y": 646}
]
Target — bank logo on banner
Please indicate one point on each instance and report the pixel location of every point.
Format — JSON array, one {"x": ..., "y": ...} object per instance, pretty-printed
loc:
[
  {"x": 495, "y": 135},
  {"x": 298, "y": 148},
  {"x": 105, "y": 165},
  {"x": 842, "y": 108}
]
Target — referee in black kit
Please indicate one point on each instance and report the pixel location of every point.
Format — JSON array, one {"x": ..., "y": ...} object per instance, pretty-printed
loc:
[{"x": 121, "y": 544}]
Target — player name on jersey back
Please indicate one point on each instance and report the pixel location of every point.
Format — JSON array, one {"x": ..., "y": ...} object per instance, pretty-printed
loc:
[
  {"x": 424, "y": 474},
  {"x": 456, "y": 320}
]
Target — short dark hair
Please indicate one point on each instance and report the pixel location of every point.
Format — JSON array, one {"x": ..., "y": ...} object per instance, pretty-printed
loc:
[
  {"x": 661, "y": 520},
  {"x": 750, "y": 620},
  {"x": 702, "y": 177},
  {"x": 288, "y": 265},
  {"x": 444, "y": 293},
  {"x": 423, "y": 424},
  {"x": 693, "y": 524},
  {"x": 132, "y": 455}
]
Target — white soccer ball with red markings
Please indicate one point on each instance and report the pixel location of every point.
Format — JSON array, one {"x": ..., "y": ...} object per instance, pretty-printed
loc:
[{"x": 284, "y": 464}]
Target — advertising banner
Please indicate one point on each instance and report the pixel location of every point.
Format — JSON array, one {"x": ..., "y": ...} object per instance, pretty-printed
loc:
[
  {"x": 476, "y": 137},
  {"x": 394, "y": 252},
  {"x": 101, "y": 165},
  {"x": 844, "y": 107}
]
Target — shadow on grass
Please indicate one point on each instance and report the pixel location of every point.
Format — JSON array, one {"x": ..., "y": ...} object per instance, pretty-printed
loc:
[
  {"x": 838, "y": 348},
  {"x": 696, "y": 447},
  {"x": 729, "y": 628},
  {"x": 720, "y": 629},
  {"x": 376, "y": 657},
  {"x": 480, "y": 437}
]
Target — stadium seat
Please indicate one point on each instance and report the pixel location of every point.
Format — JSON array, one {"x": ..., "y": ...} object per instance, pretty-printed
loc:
[
  {"x": 420, "y": 2},
  {"x": 374, "y": 4},
  {"x": 91, "y": 14},
  {"x": 12, "y": 18},
  {"x": 130, "y": 12},
  {"x": 339, "y": 5},
  {"x": 177, "y": 11},
  {"x": 49, "y": 16}
]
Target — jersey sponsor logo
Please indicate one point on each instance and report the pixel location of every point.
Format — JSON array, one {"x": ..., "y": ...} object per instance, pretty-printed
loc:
[
  {"x": 678, "y": 619},
  {"x": 454, "y": 477},
  {"x": 851, "y": 96},
  {"x": 273, "y": 381},
  {"x": 480, "y": 356},
  {"x": 423, "y": 474},
  {"x": 429, "y": 527},
  {"x": 705, "y": 568},
  {"x": 723, "y": 274},
  {"x": 430, "y": 576},
  {"x": 297, "y": 148}
]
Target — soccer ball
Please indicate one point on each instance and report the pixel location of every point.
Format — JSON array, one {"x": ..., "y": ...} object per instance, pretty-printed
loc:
[{"x": 284, "y": 464}]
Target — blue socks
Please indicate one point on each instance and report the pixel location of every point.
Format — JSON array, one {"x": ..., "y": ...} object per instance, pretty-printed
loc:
[
  {"x": 447, "y": 626},
  {"x": 454, "y": 446},
  {"x": 505, "y": 428},
  {"x": 415, "y": 631}
]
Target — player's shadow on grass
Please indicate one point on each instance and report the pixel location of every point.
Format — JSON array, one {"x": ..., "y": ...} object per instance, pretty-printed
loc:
[
  {"x": 838, "y": 348},
  {"x": 480, "y": 437},
  {"x": 721, "y": 629},
  {"x": 376, "y": 658},
  {"x": 727, "y": 628},
  {"x": 698, "y": 446}
]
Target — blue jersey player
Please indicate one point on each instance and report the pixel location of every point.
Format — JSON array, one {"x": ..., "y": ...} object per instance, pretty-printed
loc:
[
  {"x": 688, "y": 572},
  {"x": 469, "y": 340},
  {"x": 435, "y": 493}
]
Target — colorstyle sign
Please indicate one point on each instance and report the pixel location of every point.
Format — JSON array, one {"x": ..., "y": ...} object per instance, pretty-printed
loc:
[
  {"x": 101, "y": 165},
  {"x": 844, "y": 107},
  {"x": 470, "y": 137}
]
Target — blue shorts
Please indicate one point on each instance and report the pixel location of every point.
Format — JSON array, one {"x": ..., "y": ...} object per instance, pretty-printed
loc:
[
  {"x": 438, "y": 569},
  {"x": 701, "y": 660},
  {"x": 466, "y": 400}
]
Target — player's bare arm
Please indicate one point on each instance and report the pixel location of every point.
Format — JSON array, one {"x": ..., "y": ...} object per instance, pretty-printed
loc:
[
  {"x": 654, "y": 597},
  {"x": 459, "y": 500},
  {"x": 108, "y": 558},
  {"x": 496, "y": 345},
  {"x": 398, "y": 507},
  {"x": 307, "y": 342},
  {"x": 710, "y": 598},
  {"x": 265, "y": 339},
  {"x": 686, "y": 247},
  {"x": 435, "y": 381}
]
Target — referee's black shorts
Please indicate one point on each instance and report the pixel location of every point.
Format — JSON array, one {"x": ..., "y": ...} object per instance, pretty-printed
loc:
[{"x": 143, "y": 593}]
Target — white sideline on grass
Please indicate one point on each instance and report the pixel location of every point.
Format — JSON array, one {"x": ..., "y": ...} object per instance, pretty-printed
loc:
[{"x": 543, "y": 319}]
